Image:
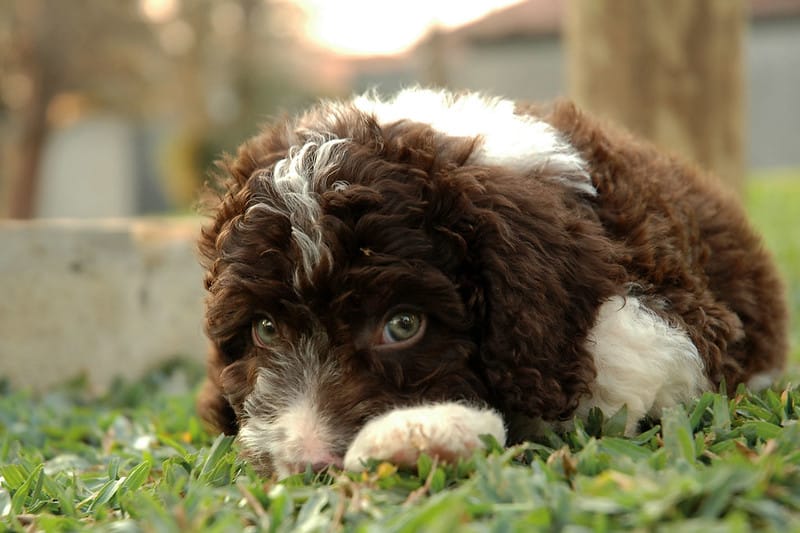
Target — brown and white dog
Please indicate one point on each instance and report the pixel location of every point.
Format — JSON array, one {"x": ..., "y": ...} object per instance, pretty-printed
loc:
[{"x": 391, "y": 277}]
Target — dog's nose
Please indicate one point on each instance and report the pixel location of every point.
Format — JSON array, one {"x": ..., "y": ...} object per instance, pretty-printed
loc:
[
  {"x": 317, "y": 464},
  {"x": 320, "y": 466}
]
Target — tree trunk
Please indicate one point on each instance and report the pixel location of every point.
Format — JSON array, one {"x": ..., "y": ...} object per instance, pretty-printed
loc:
[
  {"x": 25, "y": 184},
  {"x": 35, "y": 48},
  {"x": 669, "y": 71}
]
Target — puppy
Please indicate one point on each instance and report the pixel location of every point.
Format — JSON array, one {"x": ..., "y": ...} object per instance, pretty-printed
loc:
[{"x": 394, "y": 277}]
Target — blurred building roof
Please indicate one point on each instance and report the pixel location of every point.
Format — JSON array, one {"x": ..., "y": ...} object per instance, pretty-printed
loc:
[
  {"x": 525, "y": 18},
  {"x": 529, "y": 19},
  {"x": 774, "y": 8},
  {"x": 543, "y": 17}
]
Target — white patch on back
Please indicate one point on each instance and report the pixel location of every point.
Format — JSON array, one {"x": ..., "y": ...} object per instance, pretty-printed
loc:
[
  {"x": 505, "y": 138},
  {"x": 642, "y": 362},
  {"x": 447, "y": 430},
  {"x": 296, "y": 179}
]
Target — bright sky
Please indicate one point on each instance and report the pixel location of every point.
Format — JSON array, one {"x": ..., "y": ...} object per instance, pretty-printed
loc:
[
  {"x": 378, "y": 27},
  {"x": 353, "y": 27}
]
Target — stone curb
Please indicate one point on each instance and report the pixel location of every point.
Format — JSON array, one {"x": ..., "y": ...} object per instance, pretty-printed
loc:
[{"x": 103, "y": 298}]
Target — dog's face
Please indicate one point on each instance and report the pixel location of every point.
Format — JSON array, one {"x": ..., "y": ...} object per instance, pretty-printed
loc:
[
  {"x": 352, "y": 267},
  {"x": 340, "y": 303}
]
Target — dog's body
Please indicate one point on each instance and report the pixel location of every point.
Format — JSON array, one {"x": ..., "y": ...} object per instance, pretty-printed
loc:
[{"x": 395, "y": 277}]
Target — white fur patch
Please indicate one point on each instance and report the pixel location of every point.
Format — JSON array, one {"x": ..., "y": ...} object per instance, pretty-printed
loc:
[
  {"x": 641, "y": 361},
  {"x": 298, "y": 436},
  {"x": 292, "y": 430},
  {"x": 447, "y": 430},
  {"x": 521, "y": 142},
  {"x": 296, "y": 179}
]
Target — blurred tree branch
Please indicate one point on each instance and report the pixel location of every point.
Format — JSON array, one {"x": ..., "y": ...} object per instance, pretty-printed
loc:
[
  {"x": 205, "y": 69},
  {"x": 91, "y": 49}
]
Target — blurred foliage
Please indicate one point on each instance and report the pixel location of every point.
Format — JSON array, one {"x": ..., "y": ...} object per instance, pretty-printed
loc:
[
  {"x": 210, "y": 70},
  {"x": 138, "y": 460},
  {"x": 772, "y": 199}
]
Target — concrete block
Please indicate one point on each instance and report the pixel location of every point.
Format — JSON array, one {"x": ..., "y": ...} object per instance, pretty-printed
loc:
[{"x": 102, "y": 297}]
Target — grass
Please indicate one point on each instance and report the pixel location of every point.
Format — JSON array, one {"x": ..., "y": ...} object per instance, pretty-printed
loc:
[
  {"x": 138, "y": 460},
  {"x": 772, "y": 201}
]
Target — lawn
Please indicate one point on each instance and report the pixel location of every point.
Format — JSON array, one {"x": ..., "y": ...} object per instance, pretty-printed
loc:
[{"x": 138, "y": 460}]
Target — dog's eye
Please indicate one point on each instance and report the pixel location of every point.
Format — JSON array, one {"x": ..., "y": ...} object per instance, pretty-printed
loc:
[
  {"x": 402, "y": 327},
  {"x": 264, "y": 331}
]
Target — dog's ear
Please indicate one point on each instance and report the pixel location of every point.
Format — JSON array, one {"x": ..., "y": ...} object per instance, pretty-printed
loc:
[
  {"x": 543, "y": 267},
  {"x": 212, "y": 406},
  {"x": 225, "y": 200},
  {"x": 226, "y": 194}
]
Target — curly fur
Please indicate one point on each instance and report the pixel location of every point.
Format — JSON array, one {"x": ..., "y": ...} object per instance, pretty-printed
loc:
[{"x": 329, "y": 220}]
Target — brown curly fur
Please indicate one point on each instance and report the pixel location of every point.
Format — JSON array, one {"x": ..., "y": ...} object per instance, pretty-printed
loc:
[{"x": 509, "y": 268}]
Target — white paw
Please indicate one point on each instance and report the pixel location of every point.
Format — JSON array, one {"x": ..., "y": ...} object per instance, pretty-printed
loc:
[{"x": 448, "y": 431}]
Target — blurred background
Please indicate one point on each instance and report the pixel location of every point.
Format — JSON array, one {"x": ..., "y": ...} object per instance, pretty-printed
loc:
[
  {"x": 119, "y": 108},
  {"x": 113, "y": 111}
]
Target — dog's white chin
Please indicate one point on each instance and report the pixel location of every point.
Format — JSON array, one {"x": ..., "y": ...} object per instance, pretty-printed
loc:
[{"x": 449, "y": 431}]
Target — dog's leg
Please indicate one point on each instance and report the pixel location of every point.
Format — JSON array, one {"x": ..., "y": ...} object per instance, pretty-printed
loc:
[
  {"x": 448, "y": 431},
  {"x": 642, "y": 362}
]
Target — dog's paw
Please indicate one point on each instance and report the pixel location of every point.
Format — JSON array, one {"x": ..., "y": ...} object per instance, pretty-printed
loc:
[{"x": 448, "y": 431}]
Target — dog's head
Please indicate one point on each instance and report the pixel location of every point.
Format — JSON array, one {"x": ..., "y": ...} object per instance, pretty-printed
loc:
[{"x": 369, "y": 255}]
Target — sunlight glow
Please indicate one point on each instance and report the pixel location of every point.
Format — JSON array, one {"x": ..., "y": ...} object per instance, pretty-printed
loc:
[
  {"x": 381, "y": 27},
  {"x": 159, "y": 10}
]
